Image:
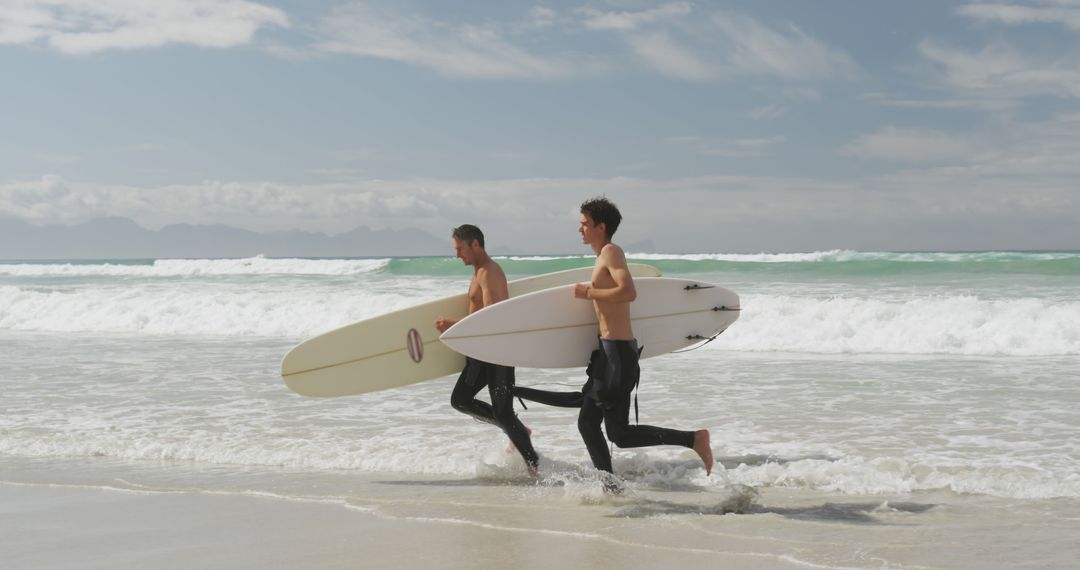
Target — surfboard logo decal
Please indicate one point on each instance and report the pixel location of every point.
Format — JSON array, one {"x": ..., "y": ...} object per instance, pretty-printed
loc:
[{"x": 415, "y": 345}]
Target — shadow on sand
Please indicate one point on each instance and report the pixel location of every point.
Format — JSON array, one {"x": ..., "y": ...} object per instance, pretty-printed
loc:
[
  {"x": 523, "y": 481},
  {"x": 743, "y": 499},
  {"x": 740, "y": 499}
]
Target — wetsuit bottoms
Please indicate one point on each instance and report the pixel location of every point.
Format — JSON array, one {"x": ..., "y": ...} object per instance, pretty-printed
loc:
[
  {"x": 557, "y": 399},
  {"x": 499, "y": 381},
  {"x": 613, "y": 374}
]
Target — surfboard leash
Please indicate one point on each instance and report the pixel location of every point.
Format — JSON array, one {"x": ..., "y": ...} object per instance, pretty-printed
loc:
[{"x": 635, "y": 389}]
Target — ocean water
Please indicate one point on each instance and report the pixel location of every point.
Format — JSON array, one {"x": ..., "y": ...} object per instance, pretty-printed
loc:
[{"x": 857, "y": 373}]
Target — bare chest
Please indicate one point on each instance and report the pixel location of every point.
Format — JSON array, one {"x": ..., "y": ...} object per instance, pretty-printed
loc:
[
  {"x": 476, "y": 297},
  {"x": 601, "y": 278}
]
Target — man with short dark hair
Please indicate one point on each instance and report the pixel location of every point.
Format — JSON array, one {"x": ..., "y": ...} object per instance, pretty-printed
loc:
[
  {"x": 613, "y": 368},
  {"x": 488, "y": 286}
]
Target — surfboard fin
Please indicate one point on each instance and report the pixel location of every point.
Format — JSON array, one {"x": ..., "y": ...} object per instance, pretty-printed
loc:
[{"x": 698, "y": 337}]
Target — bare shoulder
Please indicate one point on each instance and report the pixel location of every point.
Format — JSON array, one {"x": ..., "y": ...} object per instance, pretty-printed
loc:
[
  {"x": 491, "y": 277},
  {"x": 493, "y": 283},
  {"x": 612, "y": 256},
  {"x": 496, "y": 271},
  {"x": 490, "y": 273}
]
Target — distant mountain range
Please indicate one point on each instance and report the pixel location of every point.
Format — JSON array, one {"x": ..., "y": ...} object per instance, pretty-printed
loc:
[{"x": 121, "y": 238}]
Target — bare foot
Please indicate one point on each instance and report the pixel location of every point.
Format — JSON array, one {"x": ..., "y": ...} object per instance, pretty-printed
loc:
[
  {"x": 533, "y": 469},
  {"x": 701, "y": 446},
  {"x": 611, "y": 484}
]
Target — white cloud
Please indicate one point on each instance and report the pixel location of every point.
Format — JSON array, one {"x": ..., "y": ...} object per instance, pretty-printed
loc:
[
  {"x": 669, "y": 39},
  {"x": 1028, "y": 180},
  {"x": 913, "y": 145},
  {"x": 762, "y": 142},
  {"x": 58, "y": 159},
  {"x": 685, "y": 139},
  {"x": 767, "y": 113},
  {"x": 542, "y": 17},
  {"x": 999, "y": 71},
  {"x": 999, "y": 76},
  {"x": 263, "y": 206},
  {"x": 791, "y": 53},
  {"x": 23, "y": 22},
  {"x": 1064, "y": 12},
  {"x": 743, "y": 148},
  {"x": 466, "y": 50},
  {"x": 896, "y": 100},
  {"x": 701, "y": 47},
  {"x": 1024, "y": 156},
  {"x": 80, "y": 27},
  {"x": 627, "y": 21},
  {"x": 738, "y": 148},
  {"x": 660, "y": 52}
]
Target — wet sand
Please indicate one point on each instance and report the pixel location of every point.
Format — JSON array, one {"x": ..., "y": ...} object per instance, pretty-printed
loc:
[{"x": 391, "y": 521}]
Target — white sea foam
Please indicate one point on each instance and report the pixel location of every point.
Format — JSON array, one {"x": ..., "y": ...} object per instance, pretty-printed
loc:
[
  {"x": 258, "y": 265},
  {"x": 850, "y": 425},
  {"x": 406, "y": 451},
  {"x": 844, "y": 255},
  {"x": 831, "y": 255},
  {"x": 542, "y": 257},
  {"x": 892, "y": 475},
  {"x": 195, "y": 311},
  {"x": 956, "y": 324},
  {"x": 921, "y": 325},
  {"x": 483, "y": 455}
]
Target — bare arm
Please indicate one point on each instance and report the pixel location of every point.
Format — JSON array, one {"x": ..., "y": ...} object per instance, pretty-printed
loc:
[
  {"x": 613, "y": 259},
  {"x": 493, "y": 285}
]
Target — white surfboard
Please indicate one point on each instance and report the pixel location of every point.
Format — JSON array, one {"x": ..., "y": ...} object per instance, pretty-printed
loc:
[
  {"x": 398, "y": 348},
  {"x": 552, "y": 329}
]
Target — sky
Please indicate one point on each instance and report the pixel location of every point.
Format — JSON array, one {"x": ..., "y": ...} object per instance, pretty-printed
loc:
[{"x": 734, "y": 126}]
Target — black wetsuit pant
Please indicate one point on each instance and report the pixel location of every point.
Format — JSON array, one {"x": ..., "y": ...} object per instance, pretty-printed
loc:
[
  {"x": 500, "y": 383},
  {"x": 613, "y": 373}
]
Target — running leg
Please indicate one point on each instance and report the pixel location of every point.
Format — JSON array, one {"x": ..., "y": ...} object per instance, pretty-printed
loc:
[{"x": 502, "y": 400}]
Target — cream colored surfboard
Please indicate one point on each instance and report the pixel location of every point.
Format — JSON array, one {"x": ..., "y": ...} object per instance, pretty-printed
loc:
[
  {"x": 553, "y": 329},
  {"x": 398, "y": 348}
]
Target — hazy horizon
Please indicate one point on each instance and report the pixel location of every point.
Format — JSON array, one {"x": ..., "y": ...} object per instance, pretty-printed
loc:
[{"x": 269, "y": 245}]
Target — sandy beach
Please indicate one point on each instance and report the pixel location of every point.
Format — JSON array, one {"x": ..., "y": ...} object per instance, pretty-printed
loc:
[{"x": 352, "y": 521}]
